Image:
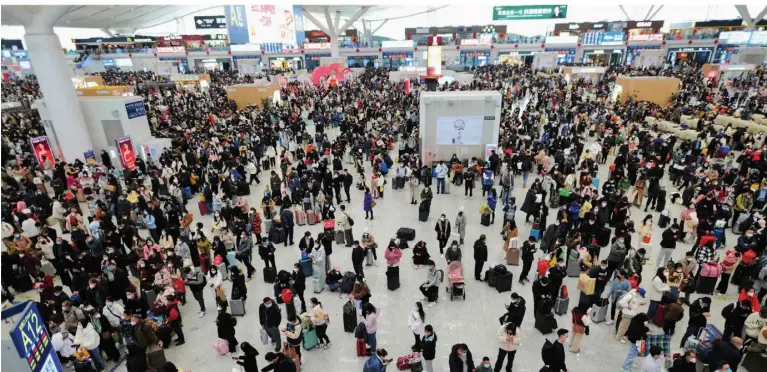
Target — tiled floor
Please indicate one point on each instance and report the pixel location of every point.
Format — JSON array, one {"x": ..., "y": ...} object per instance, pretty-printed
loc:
[{"x": 473, "y": 321}]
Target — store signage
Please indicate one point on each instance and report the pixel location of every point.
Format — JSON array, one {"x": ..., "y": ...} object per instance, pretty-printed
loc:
[
  {"x": 441, "y": 30},
  {"x": 215, "y": 37},
  {"x": 314, "y": 46},
  {"x": 171, "y": 49},
  {"x": 32, "y": 341},
  {"x": 245, "y": 47},
  {"x": 317, "y": 56},
  {"x": 246, "y": 57},
  {"x": 398, "y": 55},
  {"x": 475, "y": 53},
  {"x": 489, "y": 117},
  {"x": 656, "y": 25},
  {"x": 204, "y": 22},
  {"x": 398, "y": 44},
  {"x": 735, "y": 37},
  {"x": 90, "y": 157},
  {"x": 691, "y": 49},
  {"x": 583, "y": 26},
  {"x": 645, "y": 37},
  {"x": 561, "y": 39},
  {"x": 612, "y": 38},
  {"x": 511, "y": 13},
  {"x": 758, "y": 38},
  {"x": 135, "y": 109},
  {"x": 237, "y": 24}
]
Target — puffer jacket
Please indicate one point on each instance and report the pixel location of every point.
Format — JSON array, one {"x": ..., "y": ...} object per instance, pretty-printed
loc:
[
  {"x": 617, "y": 252},
  {"x": 505, "y": 341},
  {"x": 630, "y": 303},
  {"x": 754, "y": 324}
]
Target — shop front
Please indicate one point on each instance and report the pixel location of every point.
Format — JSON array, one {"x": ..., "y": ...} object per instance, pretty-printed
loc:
[
  {"x": 395, "y": 60},
  {"x": 179, "y": 63},
  {"x": 516, "y": 58},
  {"x": 235, "y": 59},
  {"x": 724, "y": 53},
  {"x": 362, "y": 62},
  {"x": 632, "y": 52},
  {"x": 475, "y": 58},
  {"x": 213, "y": 64},
  {"x": 696, "y": 55},
  {"x": 286, "y": 63},
  {"x": 603, "y": 57},
  {"x": 564, "y": 55},
  {"x": 217, "y": 42},
  {"x": 313, "y": 59}
]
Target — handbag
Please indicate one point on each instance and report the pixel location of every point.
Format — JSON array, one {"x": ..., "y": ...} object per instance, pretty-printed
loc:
[
  {"x": 221, "y": 294},
  {"x": 264, "y": 337}
]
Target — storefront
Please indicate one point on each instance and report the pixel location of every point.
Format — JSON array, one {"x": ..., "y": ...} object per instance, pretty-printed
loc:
[
  {"x": 313, "y": 59},
  {"x": 475, "y": 58},
  {"x": 120, "y": 44},
  {"x": 696, "y": 55},
  {"x": 516, "y": 58},
  {"x": 603, "y": 57},
  {"x": 217, "y": 42},
  {"x": 180, "y": 63},
  {"x": 632, "y": 52},
  {"x": 237, "y": 58},
  {"x": 564, "y": 55},
  {"x": 286, "y": 63},
  {"x": 213, "y": 64},
  {"x": 362, "y": 61},
  {"x": 724, "y": 53},
  {"x": 395, "y": 60}
]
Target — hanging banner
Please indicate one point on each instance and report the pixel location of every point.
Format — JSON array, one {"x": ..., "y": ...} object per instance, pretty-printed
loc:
[
  {"x": 298, "y": 15},
  {"x": 207, "y": 22},
  {"x": 127, "y": 155},
  {"x": 512, "y": 13},
  {"x": 135, "y": 109},
  {"x": 41, "y": 147},
  {"x": 32, "y": 341},
  {"x": 237, "y": 24},
  {"x": 271, "y": 23}
]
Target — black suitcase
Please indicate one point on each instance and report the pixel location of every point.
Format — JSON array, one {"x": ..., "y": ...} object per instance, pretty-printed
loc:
[
  {"x": 270, "y": 274},
  {"x": 603, "y": 239},
  {"x": 350, "y": 317},
  {"x": 23, "y": 283},
  {"x": 392, "y": 278},
  {"x": 265, "y": 164},
  {"x": 490, "y": 277},
  {"x": 706, "y": 285},
  {"x": 406, "y": 233},
  {"x": 485, "y": 221},
  {"x": 545, "y": 323},
  {"x": 503, "y": 282},
  {"x": 423, "y": 216}
]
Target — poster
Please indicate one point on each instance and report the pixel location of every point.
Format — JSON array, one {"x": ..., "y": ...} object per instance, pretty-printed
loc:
[
  {"x": 459, "y": 130},
  {"x": 271, "y": 24},
  {"x": 127, "y": 155},
  {"x": 41, "y": 147},
  {"x": 90, "y": 157}
]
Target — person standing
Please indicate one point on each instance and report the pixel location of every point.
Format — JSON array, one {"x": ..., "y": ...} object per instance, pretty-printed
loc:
[
  {"x": 298, "y": 282},
  {"x": 270, "y": 317},
  {"x": 415, "y": 321},
  {"x": 320, "y": 320},
  {"x": 508, "y": 341},
  {"x": 441, "y": 170},
  {"x": 460, "y": 224},
  {"x": 428, "y": 347},
  {"x": 558, "y": 354},
  {"x": 581, "y": 323},
  {"x": 358, "y": 256},
  {"x": 370, "y": 319},
  {"x": 347, "y": 181},
  {"x": 443, "y": 230},
  {"x": 654, "y": 360},
  {"x": 413, "y": 189},
  {"x": 668, "y": 243},
  {"x": 367, "y": 204},
  {"x": 637, "y": 331},
  {"x": 196, "y": 281},
  {"x": 244, "y": 253},
  {"x": 528, "y": 255},
  {"x": 618, "y": 289},
  {"x": 460, "y": 359},
  {"x": 345, "y": 222},
  {"x": 480, "y": 256}
]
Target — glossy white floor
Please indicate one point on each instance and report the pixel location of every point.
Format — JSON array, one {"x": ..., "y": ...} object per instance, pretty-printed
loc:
[{"x": 473, "y": 321}]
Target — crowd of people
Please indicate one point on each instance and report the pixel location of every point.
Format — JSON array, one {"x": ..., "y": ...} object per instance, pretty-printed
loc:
[{"x": 113, "y": 252}]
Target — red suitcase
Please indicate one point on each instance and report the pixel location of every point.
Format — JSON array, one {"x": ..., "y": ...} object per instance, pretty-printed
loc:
[
  {"x": 300, "y": 217},
  {"x": 660, "y": 315},
  {"x": 310, "y": 217},
  {"x": 361, "y": 348},
  {"x": 203, "y": 208},
  {"x": 204, "y": 263}
]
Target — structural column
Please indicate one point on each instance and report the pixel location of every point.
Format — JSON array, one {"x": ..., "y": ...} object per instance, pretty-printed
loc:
[{"x": 55, "y": 81}]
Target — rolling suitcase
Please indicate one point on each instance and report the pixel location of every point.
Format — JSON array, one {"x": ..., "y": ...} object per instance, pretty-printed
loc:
[
  {"x": 150, "y": 297},
  {"x": 512, "y": 256},
  {"x": 485, "y": 220},
  {"x": 660, "y": 315},
  {"x": 319, "y": 286},
  {"x": 595, "y": 182},
  {"x": 573, "y": 267},
  {"x": 603, "y": 239},
  {"x": 490, "y": 278},
  {"x": 503, "y": 282},
  {"x": 231, "y": 257},
  {"x": 392, "y": 278},
  {"x": 340, "y": 237},
  {"x": 270, "y": 274},
  {"x": 706, "y": 285},
  {"x": 369, "y": 257},
  {"x": 545, "y": 323},
  {"x": 203, "y": 206},
  {"x": 237, "y": 307},
  {"x": 406, "y": 233},
  {"x": 300, "y": 217},
  {"x": 447, "y": 186},
  {"x": 306, "y": 266},
  {"x": 311, "y": 218},
  {"x": 561, "y": 305},
  {"x": 599, "y": 310},
  {"x": 423, "y": 216},
  {"x": 310, "y": 338},
  {"x": 536, "y": 234},
  {"x": 187, "y": 193},
  {"x": 360, "y": 347},
  {"x": 350, "y": 317}
]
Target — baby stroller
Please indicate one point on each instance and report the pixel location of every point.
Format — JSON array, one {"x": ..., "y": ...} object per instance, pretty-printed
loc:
[{"x": 455, "y": 280}]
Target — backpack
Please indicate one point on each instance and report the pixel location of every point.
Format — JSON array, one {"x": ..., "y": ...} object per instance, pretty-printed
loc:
[
  {"x": 440, "y": 276},
  {"x": 347, "y": 284},
  {"x": 360, "y": 331},
  {"x": 547, "y": 352},
  {"x": 286, "y": 294},
  {"x": 500, "y": 269},
  {"x": 127, "y": 333}
]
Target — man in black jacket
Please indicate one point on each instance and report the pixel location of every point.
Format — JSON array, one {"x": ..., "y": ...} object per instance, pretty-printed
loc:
[
  {"x": 480, "y": 256},
  {"x": 278, "y": 362},
  {"x": 637, "y": 331},
  {"x": 726, "y": 352},
  {"x": 699, "y": 311},
  {"x": 602, "y": 275},
  {"x": 528, "y": 255},
  {"x": 668, "y": 243},
  {"x": 735, "y": 315},
  {"x": 348, "y": 180},
  {"x": 558, "y": 361},
  {"x": 270, "y": 317},
  {"x": 515, "y": 311}
]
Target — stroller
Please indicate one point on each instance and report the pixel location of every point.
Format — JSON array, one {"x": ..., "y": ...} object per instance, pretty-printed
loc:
[{"x": 455, "y": 280}]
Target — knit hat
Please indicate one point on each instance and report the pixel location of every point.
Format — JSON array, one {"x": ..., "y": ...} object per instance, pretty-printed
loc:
[{"x": 641, "y": 292}]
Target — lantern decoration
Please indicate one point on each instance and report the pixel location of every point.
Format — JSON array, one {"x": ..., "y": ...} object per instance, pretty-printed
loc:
[
  {"x": 263, "y": 52},
  {"x": 207, "y": 53},
  {"x": 416, "y": 49},
  {"x": 155, "y": 54},
  {"x": 207, "y": 50},
  {"x": 689, "y": 41},
  {"x": 543, "y": 46},
  {"x": 229, "y": 52},
  {"x": 130, "y": 54},
  {"x": 457, "y": 47},
  {"x": 357, "y": 50},
  {"x": 516, "y": 46},
  {"x": 579, "y": 44},
  {"x": 664, "y": 42},
  {"x": 492, "y": 46},
  {"x": 302, "y": 51},
  {"x": 379, "y": 50},
  {"x": 716, "y": 41},
  {"x": 187, "y": 53}
]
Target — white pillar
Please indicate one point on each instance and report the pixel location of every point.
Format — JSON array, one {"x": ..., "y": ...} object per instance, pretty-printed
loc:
[
  {"x": 53, "y": 74},
  {"x": 334, "y": 51}
]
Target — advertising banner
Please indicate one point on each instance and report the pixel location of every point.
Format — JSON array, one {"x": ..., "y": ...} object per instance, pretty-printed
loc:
[
  {"x": 298, "y": 16},
  {"x": 645, "y": 37},
  {"x": 434, "y": 61},
  {"x": 205, "y": 22},
  {"x": 237, "y": 24},
  {"x": 735, "y": 37},
  {"x": 612, "y": 38},
  {"x": 459, "y": 130},
  {"x": 758, "y": 38},
  {"x": 511, "y": 13},
  {"x": 32, "y": 341},
  {"x": 41, "y": 147},
  {"x": 397, "y": 44},
  {"x": 271, "y": 23},
  {"x": 90, "y": 157},
  {"x": 135, "y": 109},
  {"x": 125, "y": 149}
]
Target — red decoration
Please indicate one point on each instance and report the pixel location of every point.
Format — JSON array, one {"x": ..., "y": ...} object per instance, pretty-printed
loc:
[
  {"x": 457, "y": 47},
  {"x": 187, "y": 53},
  {"x": 207, "y": 50},
  {"x": 207, "y": 53},
  {"x": 230, "y": 52},
  {"x": 543, "y": 46},
  {"x": 689, "y": 41},
  {"x": 155, "y": 54},
  {"x": 579, "y": 44},
  {"x": 302, "y": 51},
  {"x": 664, "y": 42},
  {"x": 263, "y": 52},
  {"x": 379, "y": 50},
  {"x": 130, "y": 54},
  {"x": 358, "y": 50},
  {"x": 516, "y": 46},
  {"x": 416, "y": 49},
  {"x": 716, "y": 41},
  {"x": 492, "y": 47}
]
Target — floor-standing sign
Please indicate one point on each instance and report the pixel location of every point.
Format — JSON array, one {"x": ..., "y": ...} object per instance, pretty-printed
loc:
[{"x": 31, "y": 339}]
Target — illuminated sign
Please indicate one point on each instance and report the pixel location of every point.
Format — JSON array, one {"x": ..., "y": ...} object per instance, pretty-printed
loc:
[
  {"x": 32, "y": 341},
  {"x": 645, "y": 37},
  {"x": 510, "y": 13},
  {"x": 41, "y": 147},
  {"x": 127, "y": 155},
  {"x": 434, "y": 61},
  {"x": 397, "y": 44}
]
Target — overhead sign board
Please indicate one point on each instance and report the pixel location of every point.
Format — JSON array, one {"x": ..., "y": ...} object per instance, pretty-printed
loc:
[
  {"x": 561, "y": 39},
  {"x": 511, "y": 13},
  {"x": 205, "y": 22},
  {"x": 397, "y": 44},
  {"x": 735, "y": 37},
  {"x": 758, "y": 38},
  {"x": 135, "y": 109},
  {"x": 612, "y": 38},
  {"x": 32, "y": 341},
  {"x": 644, "y": 24}
]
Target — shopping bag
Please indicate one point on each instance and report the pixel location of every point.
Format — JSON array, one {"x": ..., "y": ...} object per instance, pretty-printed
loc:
[{"x": 264, "y": 337}]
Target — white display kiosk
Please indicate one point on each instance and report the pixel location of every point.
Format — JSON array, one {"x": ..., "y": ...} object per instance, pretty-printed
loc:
[
  {"x": 545, "y": 60},
  {"x": 164, "y": 68},
  {"x": 649, "y": 58}
]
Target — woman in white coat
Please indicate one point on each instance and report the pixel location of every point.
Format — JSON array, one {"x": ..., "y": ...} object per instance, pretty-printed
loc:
[
  {"x": 416, "y": 321},
  {"x": 88, "y": 338},
  {"x": 215, "y": 278},
  {"x": 658, "y": 287}
]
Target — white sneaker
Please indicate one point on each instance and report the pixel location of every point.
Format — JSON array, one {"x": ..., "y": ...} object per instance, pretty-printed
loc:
[
  {"x": 328, "y": 345},
  {"x": 623, "y": 340},
  {"x": 432, "y": 304},
  {"x": 442, "y": 255},
  {"x": 609, "y": 322},
  {"x": 201, "y": 314}
]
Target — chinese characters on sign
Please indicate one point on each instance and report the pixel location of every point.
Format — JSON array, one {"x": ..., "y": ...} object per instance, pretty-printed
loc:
[
  {"x": 510, "y": 13},
  {"x": 204, "y": 22},
  {"x": 32, "y": 341}
]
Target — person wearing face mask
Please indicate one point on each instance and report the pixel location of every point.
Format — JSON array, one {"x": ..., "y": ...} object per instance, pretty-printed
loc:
[
  {"x": 430, "y": 288},
  {"x": 508, "y": 342},
  {"x": 298, "y": 282},
  {"x": 94, "y": 295},
  {"x": 270, "y": 318},
  {"x": 460, "y": 225},
  {"x": 225, "y": 324},
  {"x": 443, "y": 229},
  {"x": 104, "y": 327},
  {"x": 556, "y": 275},
  {"x": 748, "y": 293},
  {"x": 684, "y": 363},
  {"x": 637, "y": 331},
  {"x": 460, "y": 359},
  {"x": 654, "y": 360},
  {"x": 658, "y": 288},
  {"x": 89, "y": 338},
  {"x": 454, "y": 253}
]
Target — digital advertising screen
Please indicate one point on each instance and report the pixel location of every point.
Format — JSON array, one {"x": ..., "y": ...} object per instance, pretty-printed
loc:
[
  {"x": 41, "y": 147},
  {"x": 459, "y": 130},
  {"x": 434, "y": 61},
  {"x": 127, "y": 155}
]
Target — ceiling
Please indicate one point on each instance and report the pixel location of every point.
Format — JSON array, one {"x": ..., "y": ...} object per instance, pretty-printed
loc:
[
  {"x": 111, "y": 16},
  {"x": 347, "y": 11}
]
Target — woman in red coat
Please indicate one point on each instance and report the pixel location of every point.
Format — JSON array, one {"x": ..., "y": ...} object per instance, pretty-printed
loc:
[
  {"x": 749, "y": 293},
  {"x": 44, "y": 283}
]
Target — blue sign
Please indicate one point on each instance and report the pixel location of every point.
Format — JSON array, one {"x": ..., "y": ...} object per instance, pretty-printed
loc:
[
  {"x": 135, "y": 109},
  {"x": 272, "y": 47},
  {"x": 237, "y": 24},
  {"x": 108, "y": 63},
  {"x": 568, "y": 50},
  {"x": 612, "y": 38},
  {"x": 32, "y": 340},
  {"x": 298, "y": 16}
]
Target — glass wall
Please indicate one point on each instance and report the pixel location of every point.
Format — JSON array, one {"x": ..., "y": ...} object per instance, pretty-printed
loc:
[
  {"x": 395, "y": 60},
  {"x": 362, "y": 61},
  {"x": 313, "y": 60},
  {"x": 474, "y": 58}
]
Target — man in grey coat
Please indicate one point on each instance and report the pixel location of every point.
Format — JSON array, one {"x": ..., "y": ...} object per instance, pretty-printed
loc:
[{"x": 244, "y": 253}]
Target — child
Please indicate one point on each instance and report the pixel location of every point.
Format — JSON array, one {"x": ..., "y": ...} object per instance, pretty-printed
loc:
[{"x": 486, "y": 366}]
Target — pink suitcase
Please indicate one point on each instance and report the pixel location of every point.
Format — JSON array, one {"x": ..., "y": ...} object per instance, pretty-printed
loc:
[
  {"x": 310, "y": 217},
  {"x": 300, "y": 217},
  {"x": 221, "y": 346}
]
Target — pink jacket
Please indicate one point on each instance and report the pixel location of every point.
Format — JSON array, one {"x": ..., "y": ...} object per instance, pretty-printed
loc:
[
  {"x": 148, "y": 250},
  {"x": 392, "y": 256}
]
